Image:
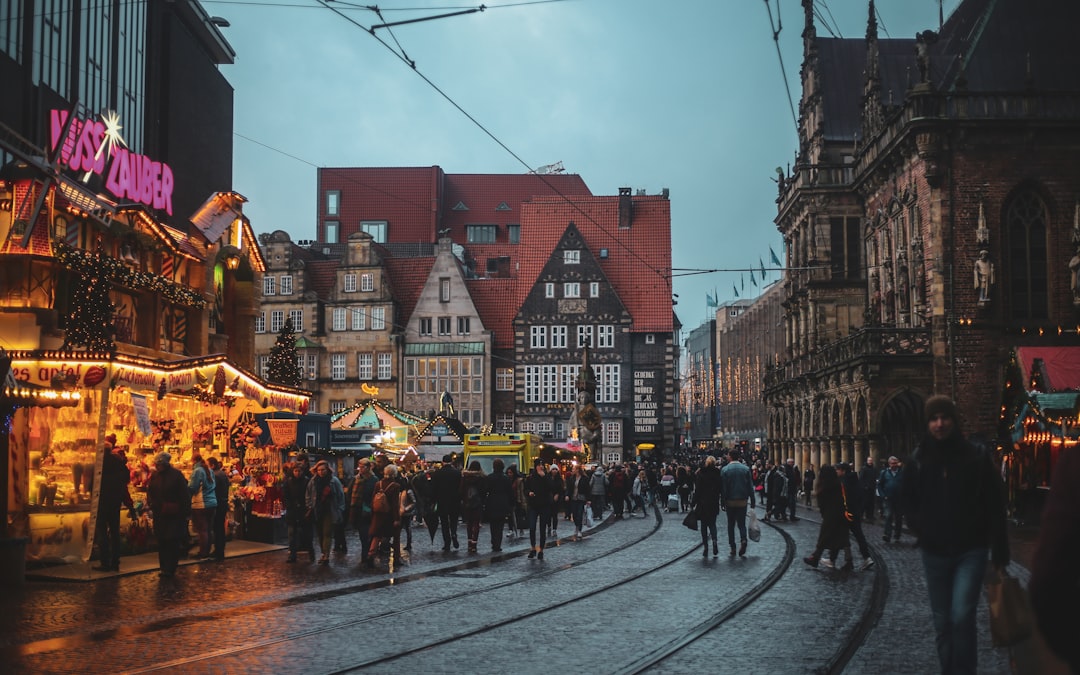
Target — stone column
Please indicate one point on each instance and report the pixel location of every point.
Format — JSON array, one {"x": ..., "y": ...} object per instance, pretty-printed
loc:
[{"x": 860, "y": 456}]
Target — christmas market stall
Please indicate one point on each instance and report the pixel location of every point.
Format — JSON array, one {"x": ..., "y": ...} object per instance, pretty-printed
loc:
[
  {"x": 1040, "y": 420},
  {"x": 144, "y": 406},
  {"x": 382, "y": 429}
]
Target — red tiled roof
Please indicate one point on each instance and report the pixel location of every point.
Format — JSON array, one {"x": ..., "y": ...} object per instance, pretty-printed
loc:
[
  {"x": 494, "y": 302},
  {"x": 484, "y": 194},
  {"x": 322, "y": 275},
  {"x": 407, "y": 198},
  {"x": 407, "y": 278}
]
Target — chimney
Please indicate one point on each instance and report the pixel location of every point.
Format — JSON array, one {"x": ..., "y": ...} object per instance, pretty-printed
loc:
[{"x": 626, "y": 208}]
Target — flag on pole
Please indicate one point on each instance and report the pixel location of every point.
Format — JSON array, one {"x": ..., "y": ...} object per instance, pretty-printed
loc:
[
  {"x": 762, "y": 264},
  {"x": 753, "y": 277},
  {"x": 776, "y": 261},
  {"x": 710, "y": 301},
  {"x": 743, "y": 278},
  {"x": 735, "y": 289}
]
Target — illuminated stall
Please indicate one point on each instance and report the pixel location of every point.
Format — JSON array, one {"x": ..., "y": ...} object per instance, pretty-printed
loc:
[{"x": 183, "y": 407}]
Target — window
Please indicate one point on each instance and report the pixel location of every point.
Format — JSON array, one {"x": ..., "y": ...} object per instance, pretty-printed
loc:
[
  {"x": 331, "y": 231},
  {"x": 263, "y": 365},
  {"x": 1025, "y": 222},
  {"x": 569, "y": 383},
  {"x": 571, "y": 289},
  {"x": 384, "y": 372},
  {"x": 532, "y": 384},
  {"x": 336, "y": 407},
  {"x": 571, "y": 257},
  {"x": 339, "y": 319},
  {"x": 549, "y": 290},
  {"x": 363, "y": 364},
  {"x": 359, "y": 317},
  {"x": 350, "y": 283},
  {"x": 312, "y": 366},
  {"x": 544, "y": 428},
  {"x": 260, "y": 322},
  {"x": 584, "y": 336},
  {"x": 333, "y": 202},
  {"x": 480, "y": 234},
  {"x": 269, "y": 284},
  {"x": 558, "y": 337},
  {"x": 538, "y": 337},
  {"x": 607, "y": 382},
  {"x": 367, "y": 282},
  {"x": 463, "y": 325},
  {"x": 650, "y": 338},
  {"x": 277, "y": 320},
  {"x": 378, "y": 318},
  {"x": 605, "y": 337},
  {"x": 297, "y": 316},
  {"x": 504, "y": 379},
  {"x": 444, "y": 325},
  {"x": 285, "y": 287},
  {"x": 613, "y": 433},
  {"x": 504, "y": 423},
  {"x": 444, "y": 289},
  {"x": 513, "y": 233},
  {"x": 549, "y": 383},
  {"x": 594, "y": 289},
  {"x": 845, "y": 247},
  {"x": 337, "y": 366},
  {"x": 376, "y": 228},
  {"x": 528, "y": 427},
  {"x": 425, "y": 326}
]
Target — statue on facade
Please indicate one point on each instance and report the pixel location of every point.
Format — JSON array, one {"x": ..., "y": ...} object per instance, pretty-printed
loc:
[{"x": 984, "y": 276}]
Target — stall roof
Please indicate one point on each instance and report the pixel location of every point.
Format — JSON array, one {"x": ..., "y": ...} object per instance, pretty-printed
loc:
[{"x": 1060, "y": 366}]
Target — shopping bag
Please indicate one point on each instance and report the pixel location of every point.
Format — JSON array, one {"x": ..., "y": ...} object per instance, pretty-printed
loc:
[
  {"x": 587, "y": 520},
  {"x": 691, "y": 520},
  {"x": 1010, "y": 613},
  {"x": 753, "y": 529}
]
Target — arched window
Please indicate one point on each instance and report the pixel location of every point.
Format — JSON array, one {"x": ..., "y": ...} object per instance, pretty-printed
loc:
[{"x": 1025, "y": 225}]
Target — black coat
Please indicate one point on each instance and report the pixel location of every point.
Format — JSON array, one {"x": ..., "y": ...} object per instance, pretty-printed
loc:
[
  {"x": 500, "y": 495},
  {"x": 540, "y": 489},
  {"x": 707, "y": 493},
  {"x": 853, "y": 493},
  {"x": 446, "y": 488}
]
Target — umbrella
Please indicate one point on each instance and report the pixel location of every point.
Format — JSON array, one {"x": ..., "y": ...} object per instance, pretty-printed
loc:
[{"x": 432, "y": 520}]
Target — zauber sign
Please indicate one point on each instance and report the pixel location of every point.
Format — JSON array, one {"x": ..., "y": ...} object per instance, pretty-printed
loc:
[{"x": 96, "y": 147}]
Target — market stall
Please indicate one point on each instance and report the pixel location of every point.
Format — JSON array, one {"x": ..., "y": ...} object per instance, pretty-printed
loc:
[{"x": 183, "y": 407}]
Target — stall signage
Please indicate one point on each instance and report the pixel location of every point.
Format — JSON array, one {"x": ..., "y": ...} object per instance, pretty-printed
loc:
[
  {"x": 646, "y": 402},
  {"x": 83, "y": 375},
  {"x": 96, "y": 147},
  {"x": 282, "y": 432},
  {"x": 142, "y": 413}
]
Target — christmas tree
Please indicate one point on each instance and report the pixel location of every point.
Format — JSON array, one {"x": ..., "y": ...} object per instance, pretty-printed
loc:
[
  {"x": 282, "y": 368},
  {"x": 90, "y": 323}
]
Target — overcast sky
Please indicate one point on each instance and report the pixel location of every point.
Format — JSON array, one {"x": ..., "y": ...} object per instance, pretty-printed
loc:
[{"x": 687, "y": 95}]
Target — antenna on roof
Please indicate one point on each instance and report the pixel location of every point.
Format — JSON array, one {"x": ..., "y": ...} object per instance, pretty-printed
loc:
[{"x": 557, "y": 167}]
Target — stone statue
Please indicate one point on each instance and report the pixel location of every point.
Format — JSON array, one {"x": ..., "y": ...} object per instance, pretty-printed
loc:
[
  {"x": 984, "y": 276},
  {"x": 1074, "y": 267}
]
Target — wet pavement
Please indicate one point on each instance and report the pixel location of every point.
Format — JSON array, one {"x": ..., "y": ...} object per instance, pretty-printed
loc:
[{"x": 141, "y": 620}]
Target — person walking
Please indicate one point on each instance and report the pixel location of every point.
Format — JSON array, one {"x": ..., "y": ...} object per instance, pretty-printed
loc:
[
  {"x": 221, "y": 513},
  {"x": 558, "y": 496},
  {"x": 833, "y": 534},
  {"x": 706, "y": 504},
  {"x": 113, "y": 494},
  {"x": 360, "y": 512},
  {"x": 203, "y": 503},
  {"x": 386, "y": 517},
  {"x": 294, "y": 497},
  {"x": 472, "y": 502},
  {"x": 794, "y": 482},
  {"x": 578, "y": 491},
  {"x": 446, "y": 491},
  {"x": 954, "y": 500},
  {"x": 170, "y": 502},
  {"x": 888, "y": 488},
  {"x": 736, "y": 489},
  {"x": 538, "y": 496},
  {"x": 868, "y": 476},
  {"x": 597, "y": 493},
  {"x": 808, "y": 484},
  {"x": 499, "y": 500},
  {"x": 849, "y": 481},
  {"x": 325, "y": 505},
  {"x": 637, "y": 493}
]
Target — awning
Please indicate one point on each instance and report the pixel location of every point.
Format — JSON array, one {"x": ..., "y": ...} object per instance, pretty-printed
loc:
[{"x": 1058, "y": 366}]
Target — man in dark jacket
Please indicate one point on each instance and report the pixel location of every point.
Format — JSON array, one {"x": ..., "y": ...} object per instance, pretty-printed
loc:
[
  {"x": 170, "y": 503},
  {"x": 794, "y": 482},
  {"x": 446, "y": 491},
  {"x": 853, "y": 495},
  {"x": 955, "y": 504},
  {"x": 540, "y": 500},
  {"x": 297, "y": 518},
  {"x": 114, "y": 494},
  {"x": 868, "y": 476},
  {"x": 500, "y": 499},
  {"x": 221, "y": 491}
]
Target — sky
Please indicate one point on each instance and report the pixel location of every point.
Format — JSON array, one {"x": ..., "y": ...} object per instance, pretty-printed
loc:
[{"x": 687, "y": 95}]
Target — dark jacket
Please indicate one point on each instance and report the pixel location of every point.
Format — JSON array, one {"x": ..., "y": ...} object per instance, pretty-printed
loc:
[
  {"x": 500, "y": 495},
  {"x": 472, "y": 480},
  {"x": 538, "y": 491},
  {"x": 446, "y": 488},
  {"x": 1055, "y": 592},
  {"x": 114, "y": 483},
  {"x": 954, "y": 498},
  {"x": 294, "y": 494},
  {"x": 707, "y": 493},
  {"x": 168, "y": 495},
  {"x": 853, "y": 493}
]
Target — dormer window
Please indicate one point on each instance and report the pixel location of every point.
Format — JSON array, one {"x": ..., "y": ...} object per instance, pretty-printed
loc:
[{"x": 571, "y": 257}]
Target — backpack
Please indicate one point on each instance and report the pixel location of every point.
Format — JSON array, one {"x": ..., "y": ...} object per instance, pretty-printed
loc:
[{"x": 379, "y": 502}]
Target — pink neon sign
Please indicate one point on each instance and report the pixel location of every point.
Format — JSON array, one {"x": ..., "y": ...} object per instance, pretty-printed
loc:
[{"x": 92, "y": 146}]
